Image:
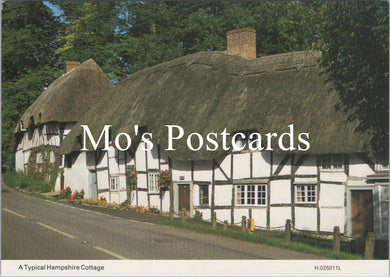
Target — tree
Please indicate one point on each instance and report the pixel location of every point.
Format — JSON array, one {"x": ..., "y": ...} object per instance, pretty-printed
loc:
[
  {"x": 124, "y": 37},
  {"x": 355, "y": 44},
  {"x": 90, "y": 32},
  {"x": 29, "y": 33}
]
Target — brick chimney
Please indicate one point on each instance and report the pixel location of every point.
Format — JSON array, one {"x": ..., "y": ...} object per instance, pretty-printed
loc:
[
  {"x": 242, "y": 42},
  {"x": 69, "y": 65}
]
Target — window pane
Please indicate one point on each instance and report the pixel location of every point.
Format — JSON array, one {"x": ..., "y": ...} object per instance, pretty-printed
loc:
[
  {"x": 240, "y": 195},
  {"x": 204, "y": 194},
  {"x": 311, "y": 194},
  {"x": 113, "y": 183},
  {"x": 300, "y": 193},
  {"x": 261, "y": 195},
  {"x": 384, "y": 193},
  {"x": 385, "y": 225},
  {"x": 385, "y": 209},
  {"x": 251, "y": 195},
  {"x": 153, "y": 182},
  {"x": 338, "y": 161},
  {"x": 325, "y": 161}
]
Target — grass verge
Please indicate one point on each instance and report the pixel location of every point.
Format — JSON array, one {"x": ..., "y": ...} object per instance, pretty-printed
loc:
[
  {"x": 297, "y": 246},
  {"x": 21, "y": 180}
]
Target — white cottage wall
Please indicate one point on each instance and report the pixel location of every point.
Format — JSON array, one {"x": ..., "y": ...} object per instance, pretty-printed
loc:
[
  {"x": 203, "y": 171},
  {"x": 241, "y": 166},
  {"x": 280, "y": 192},
  {"x": 279, "y": 215},
  {"x": 309, "y": 166},
  {"x": 223, "y": 195},
  {"x": 358, "y": 168},
  {"x": 76, "y": 177},
  {"x": 19, "y": 160},
  {"x": 331, "y": 217},
  {"x": 261, "y": 164},
  {"x": 306, "y": 218}
]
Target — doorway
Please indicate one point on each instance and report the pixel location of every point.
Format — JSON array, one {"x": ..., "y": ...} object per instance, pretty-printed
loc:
[
  {"x": 184, "y": 198},
  {"x": 362, "y": 212},
  {"x": 92, "y": 184}
]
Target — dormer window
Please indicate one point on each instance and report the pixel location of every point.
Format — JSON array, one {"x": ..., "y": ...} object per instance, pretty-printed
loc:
[
  {"x": 382, "y": 162},
  {"x": 332, "y": 162},
  {"x": 22, "y": 126}
]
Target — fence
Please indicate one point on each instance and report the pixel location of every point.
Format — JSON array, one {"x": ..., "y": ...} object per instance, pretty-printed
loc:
[{"x": 289, "y": 233}]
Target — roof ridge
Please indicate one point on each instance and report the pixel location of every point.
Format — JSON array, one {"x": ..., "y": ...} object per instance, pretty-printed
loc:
[{"x": 238, "y": 65}]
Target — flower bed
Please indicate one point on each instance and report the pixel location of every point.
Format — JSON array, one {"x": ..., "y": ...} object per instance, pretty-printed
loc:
[
  {"x": 78, "y": 198},
  {"x": 164, "y": 180},
  {"x": 67, "y": 194},
  {"x": 101, "y": 202}
]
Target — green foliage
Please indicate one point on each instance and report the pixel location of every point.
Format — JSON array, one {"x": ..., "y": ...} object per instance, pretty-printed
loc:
[
  {"x": 16, "y": 179},
  {"x": 45, "y": 171},
  {"x": 297, "y": 246},
  {"x": 65, "y": 193},
  {"x": 198, "y": 214},
  {"x": 126, "y": 36},
  {"x": 89, "y": 32},
  {"x": 11, "y": 162},
  {"x": 354, "y": 36},
  {"x": 23, "y": 181},
  {"x": 29, "y": 39}
]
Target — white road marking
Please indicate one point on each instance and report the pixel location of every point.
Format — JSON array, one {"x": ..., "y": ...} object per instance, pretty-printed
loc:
[
  {"x": 110, "y": 253},
  {"x": 99, "y": 213},
  {"x": 13, "y": 213},
  {"x": 56, "y": 230}
]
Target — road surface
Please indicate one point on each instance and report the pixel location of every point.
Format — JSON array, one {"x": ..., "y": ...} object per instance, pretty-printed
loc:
[{"x": 34, "y": 228}]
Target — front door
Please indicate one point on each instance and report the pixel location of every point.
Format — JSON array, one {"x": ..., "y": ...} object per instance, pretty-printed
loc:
[
  {"x": 92, "y": 184},
  {"x": 184, "y": 198},
  {"x": 362, "y": 213}
]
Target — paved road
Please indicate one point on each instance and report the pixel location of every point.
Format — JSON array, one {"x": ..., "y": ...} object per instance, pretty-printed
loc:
[{"x": 33, "y": 228}]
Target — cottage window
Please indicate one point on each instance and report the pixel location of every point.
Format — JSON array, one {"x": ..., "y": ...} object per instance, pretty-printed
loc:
[
  {"x": 153, "y": 186},
  {"x": 384, "y": 208},
  {"x": 332, "y": 162},
  {"x": 39, "y": 158},
  {"x": 52, "y": 157},
  {"x": 382, "y": 162},
  {"x": 22, "y": 126},
  {"x": 305, "y": 194},
  {"x": 203, "y": 194},
  {"x": 253, "y": 195},
  {"x": 68, "y": 161},
  {"x": 114, "y": 183}
]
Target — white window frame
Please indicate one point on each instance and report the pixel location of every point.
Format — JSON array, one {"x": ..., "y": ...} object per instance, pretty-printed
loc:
[
  {"x": 332, "y": 164},
  {"x": 153, "y": 186},
  {"x": 114, "y": 180},
  {"x": 379, "y": 164},
  {"x": 382, "y": 199},
  {"x": 304, "y": 188},
  {"x": 200, "y": 194},
  {"x": 249, "y": 194}
]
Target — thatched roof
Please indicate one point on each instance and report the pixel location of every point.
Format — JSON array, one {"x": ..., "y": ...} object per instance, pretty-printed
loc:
[
  {"x": 69, "y": 97},
  {"x": 209, "y": 91}
]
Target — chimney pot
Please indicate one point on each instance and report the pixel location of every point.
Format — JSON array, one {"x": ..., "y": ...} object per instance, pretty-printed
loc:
[
  {"x": 69, "y": 65},
  {"x": 242, "y": 41}
]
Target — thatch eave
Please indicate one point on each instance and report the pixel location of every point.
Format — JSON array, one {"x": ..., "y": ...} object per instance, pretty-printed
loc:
[
  {"x": 210, "y": 91},
  {"x": 68, "y": 98}
]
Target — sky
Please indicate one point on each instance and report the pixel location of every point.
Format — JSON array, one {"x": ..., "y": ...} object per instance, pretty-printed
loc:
[{"x": 56, "y": 11}]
